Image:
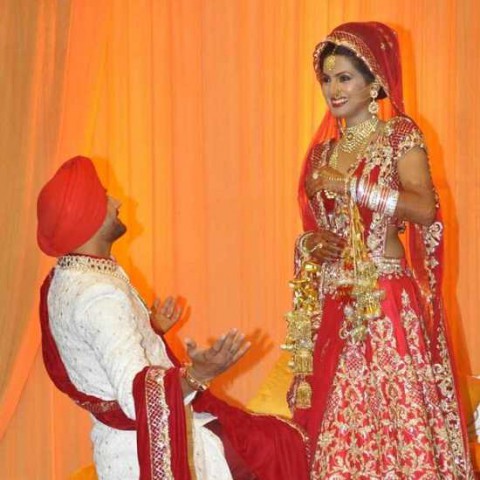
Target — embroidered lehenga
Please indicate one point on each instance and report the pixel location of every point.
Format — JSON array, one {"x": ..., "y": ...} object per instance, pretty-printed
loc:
[{"x": 386, "y": 407}]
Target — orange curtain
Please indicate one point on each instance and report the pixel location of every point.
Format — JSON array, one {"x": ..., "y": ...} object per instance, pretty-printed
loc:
[{"x": 197, "y": 113}]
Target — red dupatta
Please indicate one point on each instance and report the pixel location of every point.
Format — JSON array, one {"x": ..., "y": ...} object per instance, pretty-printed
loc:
[{"x": 377, "y": 45}]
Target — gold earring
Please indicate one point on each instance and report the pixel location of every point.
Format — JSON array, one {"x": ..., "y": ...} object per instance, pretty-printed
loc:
[{"x": 373, "y": 106}]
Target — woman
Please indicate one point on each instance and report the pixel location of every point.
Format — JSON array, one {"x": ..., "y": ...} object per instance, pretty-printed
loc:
[{"x": 383, "y": 402}]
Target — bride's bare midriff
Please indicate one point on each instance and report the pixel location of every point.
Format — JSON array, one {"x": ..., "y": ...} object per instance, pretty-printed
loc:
[{"x": 393, "y": 245}]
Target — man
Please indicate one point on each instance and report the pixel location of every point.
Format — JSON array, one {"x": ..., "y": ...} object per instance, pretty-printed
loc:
[{"x": 100, "y": 348}]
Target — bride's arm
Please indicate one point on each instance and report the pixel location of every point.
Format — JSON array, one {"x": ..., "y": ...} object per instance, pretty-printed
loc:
[{"x": 416, "y": 202}]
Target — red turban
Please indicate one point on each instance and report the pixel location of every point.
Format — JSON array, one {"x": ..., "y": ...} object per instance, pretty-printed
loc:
[{"x": 71, "y": 207}]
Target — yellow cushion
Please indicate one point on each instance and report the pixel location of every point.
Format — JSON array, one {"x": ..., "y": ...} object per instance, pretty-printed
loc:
[
  {"x": 271, "y": 397},
  {"x": 86, "y": 473}
]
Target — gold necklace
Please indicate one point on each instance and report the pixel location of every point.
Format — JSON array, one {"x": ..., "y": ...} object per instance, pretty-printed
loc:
[
  {"x": 333, "y": 160},
  {"x": 355, "y": 136}
]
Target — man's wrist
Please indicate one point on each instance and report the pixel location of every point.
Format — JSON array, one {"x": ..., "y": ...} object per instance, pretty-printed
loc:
[{"x": 192, "y": 380}]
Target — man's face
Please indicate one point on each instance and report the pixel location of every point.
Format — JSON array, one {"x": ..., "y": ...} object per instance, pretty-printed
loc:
[{"x": 112, "y": 227}]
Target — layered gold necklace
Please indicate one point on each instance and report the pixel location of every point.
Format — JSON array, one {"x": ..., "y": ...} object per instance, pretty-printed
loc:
[{"x": 353, "y": 138}]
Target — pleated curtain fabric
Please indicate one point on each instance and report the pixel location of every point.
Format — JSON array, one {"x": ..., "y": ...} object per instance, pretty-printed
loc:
[{"x": 197, "y": 114}]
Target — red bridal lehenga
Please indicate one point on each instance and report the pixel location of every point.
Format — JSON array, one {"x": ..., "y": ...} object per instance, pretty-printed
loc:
[{"x": 386, "y": 407}]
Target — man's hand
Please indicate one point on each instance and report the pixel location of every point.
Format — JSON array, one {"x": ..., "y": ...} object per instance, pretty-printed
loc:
[
  {"x": 166, "y": 314},
  {"x": 210, "y": 362}
]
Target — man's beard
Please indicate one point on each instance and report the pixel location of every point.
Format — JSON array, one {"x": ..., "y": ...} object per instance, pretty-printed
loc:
[{"x": 118, "y": 230}]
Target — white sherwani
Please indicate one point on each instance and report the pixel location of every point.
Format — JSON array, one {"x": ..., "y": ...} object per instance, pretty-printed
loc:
[
  {"x": 103, "y": 333},
  {"x": 476, "y": 425}
]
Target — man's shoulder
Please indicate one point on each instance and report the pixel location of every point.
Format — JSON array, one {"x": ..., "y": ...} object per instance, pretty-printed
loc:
[{"x": 84, "y": 287}]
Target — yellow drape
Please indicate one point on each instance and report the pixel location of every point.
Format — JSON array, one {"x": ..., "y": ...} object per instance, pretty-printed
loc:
[{"x": 197, "y": 114}]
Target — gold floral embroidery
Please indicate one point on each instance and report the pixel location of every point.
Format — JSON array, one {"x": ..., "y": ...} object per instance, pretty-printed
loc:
[
  {"x": 432, "y": 235},
  {"x": 449, "y": 406},
  {"x": 385, "y": 418},
  {"x": 99, "y": 407}
]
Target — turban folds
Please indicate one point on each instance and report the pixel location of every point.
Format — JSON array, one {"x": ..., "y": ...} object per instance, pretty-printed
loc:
[{"x": 71, "y": 207}]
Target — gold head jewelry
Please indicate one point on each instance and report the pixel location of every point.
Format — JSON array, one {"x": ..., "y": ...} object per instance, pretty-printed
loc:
[
  {"x": 330, "y": 60},
  {"x": 355, "y": 137},
  {"x": 330, "y": 63}
]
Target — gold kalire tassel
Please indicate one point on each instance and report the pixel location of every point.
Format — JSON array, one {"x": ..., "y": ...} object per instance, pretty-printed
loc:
[
  {"x": 303, "y": 395},
  {"x": 359, "y": 283},
  {"x": 300, "y": 331}
]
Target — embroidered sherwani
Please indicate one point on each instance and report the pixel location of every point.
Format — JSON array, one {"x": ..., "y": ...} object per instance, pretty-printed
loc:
[
  {"x": 103, "y": 333},
  {"x": 384, "y": 408}
]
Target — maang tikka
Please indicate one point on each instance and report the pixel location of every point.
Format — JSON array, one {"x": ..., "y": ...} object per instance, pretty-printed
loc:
[{"x": 330, "y": 61}]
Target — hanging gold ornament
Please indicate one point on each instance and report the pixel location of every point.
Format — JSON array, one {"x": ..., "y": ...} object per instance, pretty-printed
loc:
[
  {"x": 358, "y": 283},
  {"x": 299, "y": 339}
]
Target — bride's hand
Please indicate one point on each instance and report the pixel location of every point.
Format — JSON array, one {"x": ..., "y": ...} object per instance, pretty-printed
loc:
[
  {"x": 324, "y": 246},
  {"x": 325, "y": 178}
]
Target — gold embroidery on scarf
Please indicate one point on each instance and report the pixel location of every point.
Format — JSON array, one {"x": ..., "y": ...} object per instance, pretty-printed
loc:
[{"x": 158, "y": 413}]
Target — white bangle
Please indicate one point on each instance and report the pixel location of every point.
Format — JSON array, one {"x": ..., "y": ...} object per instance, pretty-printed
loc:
[
  {"x": 360, "y": 194},
  {"x": 353, "y": 189},
  {"x": 391, "y": 203},
  {"x": 373, "y": 199}
]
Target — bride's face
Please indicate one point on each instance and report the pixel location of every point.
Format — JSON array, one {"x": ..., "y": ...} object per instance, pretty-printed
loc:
[{"x": 346, "y": 91}]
